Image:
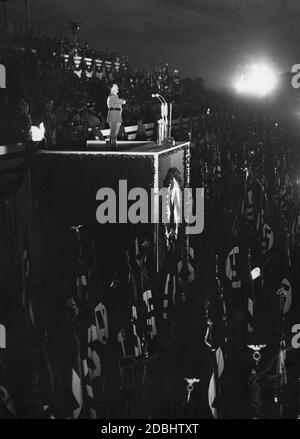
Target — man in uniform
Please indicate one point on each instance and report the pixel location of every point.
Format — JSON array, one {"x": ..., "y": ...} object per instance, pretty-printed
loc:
[{"x": 114, "y": 115}]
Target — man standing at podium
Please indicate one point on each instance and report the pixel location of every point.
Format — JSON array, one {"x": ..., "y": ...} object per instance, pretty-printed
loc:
[{"x": 114, "y": 115}]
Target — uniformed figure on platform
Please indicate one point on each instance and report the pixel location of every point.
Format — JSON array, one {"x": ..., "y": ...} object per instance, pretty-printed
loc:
[{"x": 114, "y": 115}]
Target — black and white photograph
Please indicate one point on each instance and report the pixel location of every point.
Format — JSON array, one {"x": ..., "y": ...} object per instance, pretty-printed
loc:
[{"x": 149, "y": 212}]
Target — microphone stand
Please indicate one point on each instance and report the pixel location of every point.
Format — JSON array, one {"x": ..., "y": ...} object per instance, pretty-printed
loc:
[{"x": 164, "y": 116}]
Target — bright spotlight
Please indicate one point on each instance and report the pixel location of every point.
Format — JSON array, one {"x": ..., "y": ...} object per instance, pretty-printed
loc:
[
  {"x": 255, "y": 273},
  {"x": 258, "y": 79},
  {"x": 38, "y": 133}
]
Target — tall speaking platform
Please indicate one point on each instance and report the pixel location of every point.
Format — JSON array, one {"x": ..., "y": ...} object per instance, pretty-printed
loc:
[{"x": 66, "y": 184}]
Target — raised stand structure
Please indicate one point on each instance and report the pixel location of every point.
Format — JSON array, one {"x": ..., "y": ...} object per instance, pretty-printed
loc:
[{"x": 66, "y": 184}]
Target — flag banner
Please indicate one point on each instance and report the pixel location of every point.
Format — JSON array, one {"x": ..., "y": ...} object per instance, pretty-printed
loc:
[
  {"x": 265, "y": 233},
  {"x": 101, "y": 319},
  {"x": 233, "y": 268},
  {"x": 250, "y": 307},
  {"x": 97, "y": 337},
  {"x": 213, "y": 389},
  {"x": 93, "y": 352},
  {"x": 77, "y": 394}
]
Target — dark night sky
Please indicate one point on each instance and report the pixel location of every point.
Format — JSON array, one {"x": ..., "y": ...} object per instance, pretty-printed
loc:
[{"x": 207, "y": 38}]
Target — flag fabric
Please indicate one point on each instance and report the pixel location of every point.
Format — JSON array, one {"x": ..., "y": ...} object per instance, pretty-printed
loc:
[
  {"x": 93, "y": 352},
  {"x": 97, "y": 336},
  {"x": 151, "y": 321},
  {"x": 77, "y": 393},
  {"x": 233, "y": 267},
  {"x": 281, "y": 368},
  {"x": 271, "y": 239},
  {"x": 257, "y": 296},
  {"x": 101, "y": 320},
  {"x": 214, "y": 388},
  {"x": 137, "y": 253},
  {"x": 265, "y": 227},
  {"x": 135, "y": 287},
  {"x": 232, "y": 261},
  {"x": 137, "y": 340},
  {"x": 2, "y": 337},
  {"x": 215, "y": 341},
  {"x": 250, "y": 309},
  {"x": 248, "y": 206}
]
